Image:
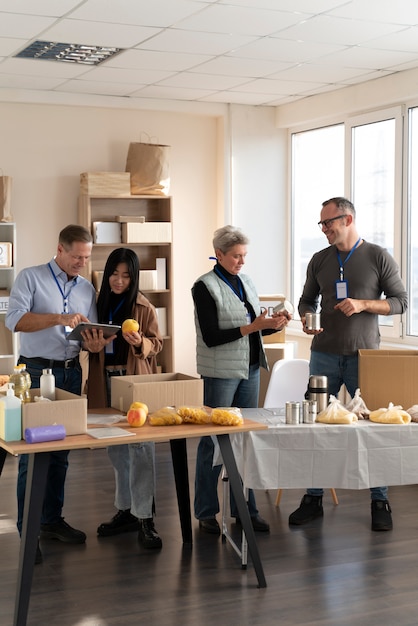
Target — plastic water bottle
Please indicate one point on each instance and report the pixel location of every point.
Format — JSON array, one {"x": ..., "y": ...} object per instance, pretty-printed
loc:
[
  {"x": 10, "y": 416},
  {"x": 47, "y": 384}
]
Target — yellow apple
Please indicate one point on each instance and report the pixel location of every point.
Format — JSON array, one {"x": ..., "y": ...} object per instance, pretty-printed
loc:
[
  {"x": 129, "y": 326},
  {"x": 139, "y": 405}
]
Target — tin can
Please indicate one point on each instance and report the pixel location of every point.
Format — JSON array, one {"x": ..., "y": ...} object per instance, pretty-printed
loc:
[
  {"x": 309, "y": 411},
  {"x": 313, "y": 321},
  {"x": 293, "y": 413}
]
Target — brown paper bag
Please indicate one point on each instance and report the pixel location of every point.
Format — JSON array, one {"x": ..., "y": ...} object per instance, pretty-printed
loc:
[
  {"x": 5, "y": 198},
  {"x": 148, "y": 164}
]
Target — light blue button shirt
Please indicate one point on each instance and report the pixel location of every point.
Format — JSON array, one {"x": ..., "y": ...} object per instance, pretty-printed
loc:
[{"x": 36, "y": 291}]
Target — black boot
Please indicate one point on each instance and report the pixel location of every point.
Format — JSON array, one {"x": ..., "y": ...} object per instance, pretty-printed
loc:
[
  {"x": 147, "y": 534},
  {"x": 310, "y": 508}
]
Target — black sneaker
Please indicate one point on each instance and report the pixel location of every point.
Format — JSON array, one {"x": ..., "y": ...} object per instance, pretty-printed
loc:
[
  {"x": 381, "y": 515},
  {"x": 258, "y": 523},
  {"x": 210, "y": 525},
  {"x": 63, "y": 532},
  {"x": 122, "y": 522},
  {"x": 310, "y": 508},
  {"x": 147, "y": 534}
]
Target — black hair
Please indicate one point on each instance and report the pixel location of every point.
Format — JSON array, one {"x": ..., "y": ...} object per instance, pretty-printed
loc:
[{"x": 119, "y": 255}]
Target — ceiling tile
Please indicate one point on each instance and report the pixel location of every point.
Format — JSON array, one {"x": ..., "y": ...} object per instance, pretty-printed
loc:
[{"x": 241, "y": 20}]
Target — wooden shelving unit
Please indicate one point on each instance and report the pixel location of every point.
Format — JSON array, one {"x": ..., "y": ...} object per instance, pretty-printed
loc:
[{"x": 102, "y": 208}]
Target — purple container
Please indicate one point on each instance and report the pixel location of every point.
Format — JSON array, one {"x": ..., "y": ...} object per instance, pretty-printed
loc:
[{"x": 45, "y": 433}]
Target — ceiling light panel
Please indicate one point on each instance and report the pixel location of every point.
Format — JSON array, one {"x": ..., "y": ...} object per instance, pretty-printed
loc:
[{"x": 68, "y": 52}]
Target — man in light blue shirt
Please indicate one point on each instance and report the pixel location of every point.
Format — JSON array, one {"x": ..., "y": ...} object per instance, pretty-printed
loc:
[{"x": 46, "y": 302}]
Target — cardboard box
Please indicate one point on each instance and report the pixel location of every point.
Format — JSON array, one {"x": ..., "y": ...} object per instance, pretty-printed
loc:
[
  {"x": 105, "y": 183},
  {"x": 68, "y": 409},
  {"x": 148, "y": 280},
  {"x": 146, "y": 232},
  {"x": 106, "y": 232},
  {"x": 156, "y": 391},
  {"x": 4, "y": 300},
  {"x": 388, "y": 376},
  {"x": 6, "y": 256}
]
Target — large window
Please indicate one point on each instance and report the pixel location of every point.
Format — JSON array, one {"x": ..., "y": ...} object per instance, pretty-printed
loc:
[
  {"x": 412, "y": 221},
  {"x": 362, "y": 160},
  {"x": 317, "y": 174}
]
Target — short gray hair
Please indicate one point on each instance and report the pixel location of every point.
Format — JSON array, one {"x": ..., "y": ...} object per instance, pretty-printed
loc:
[
  {"x": 227, "y": 237},
  {"x": 343, "y": 205}
]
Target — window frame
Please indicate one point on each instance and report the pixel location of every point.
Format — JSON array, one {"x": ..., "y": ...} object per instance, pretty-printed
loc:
[{"x": 396, "y": 333}]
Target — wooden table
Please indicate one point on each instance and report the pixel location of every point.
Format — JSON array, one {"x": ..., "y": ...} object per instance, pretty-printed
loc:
[{"x": 177, "y": 435}]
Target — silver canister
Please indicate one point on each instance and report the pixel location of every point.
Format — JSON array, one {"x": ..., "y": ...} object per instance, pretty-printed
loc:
[
  {"x": 313, "y": 321},
  {"x": 309, "y": 411},
  {"x": 318, "y": 391},
  {"x": 293, "y": 413}
]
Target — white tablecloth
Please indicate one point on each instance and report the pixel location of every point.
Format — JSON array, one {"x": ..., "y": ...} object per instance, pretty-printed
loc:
[{"x": 357, "y": 456}]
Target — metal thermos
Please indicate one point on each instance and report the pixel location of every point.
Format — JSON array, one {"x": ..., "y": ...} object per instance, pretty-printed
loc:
[{"x": 318, "y": 391}]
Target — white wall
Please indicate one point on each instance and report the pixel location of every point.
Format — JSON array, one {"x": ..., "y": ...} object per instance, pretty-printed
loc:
[
  {"x": 45, "y": 147},
  {"x": 259, "y": 192}
]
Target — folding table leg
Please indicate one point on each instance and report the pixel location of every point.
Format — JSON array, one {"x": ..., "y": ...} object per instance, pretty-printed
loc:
[
  {"x": 35, "y": 489},
  {"x": 236, "y": 486},
  {"x": 243, "y": 551}
]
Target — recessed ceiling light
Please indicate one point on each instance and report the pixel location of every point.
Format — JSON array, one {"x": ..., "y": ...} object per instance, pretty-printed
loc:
[{"x": 68, "y": 52}]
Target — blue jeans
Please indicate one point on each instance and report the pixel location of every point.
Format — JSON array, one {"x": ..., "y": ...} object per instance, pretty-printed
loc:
[
  {"x": 340, "y": 370},
  {"x": 226, "y": 392},
  {"x": 70, "y": 380}
]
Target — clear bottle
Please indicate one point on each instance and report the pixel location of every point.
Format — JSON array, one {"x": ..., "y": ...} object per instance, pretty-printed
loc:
[
  {"x": 10, "y": 416},
  {"x": 27, "y": 396},
  {"x": 18, "y": 380},
  {"x": 47, "y": 384}
]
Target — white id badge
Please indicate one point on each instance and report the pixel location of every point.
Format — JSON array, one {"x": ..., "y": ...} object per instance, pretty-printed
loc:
[
  {"x": 109, "y": 348},
  {"x": 341, "y": 289},
  {"x": 248, "y": 316}
]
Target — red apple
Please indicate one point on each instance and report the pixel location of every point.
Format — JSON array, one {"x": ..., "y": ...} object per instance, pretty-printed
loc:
[{"x": 136, "y": 417}]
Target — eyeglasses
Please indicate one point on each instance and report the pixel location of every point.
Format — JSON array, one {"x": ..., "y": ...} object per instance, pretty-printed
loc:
[{"x": 327, "y": 223}]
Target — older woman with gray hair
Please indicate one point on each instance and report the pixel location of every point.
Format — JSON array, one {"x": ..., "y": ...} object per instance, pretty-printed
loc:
[{"x": 229, "y": 328}]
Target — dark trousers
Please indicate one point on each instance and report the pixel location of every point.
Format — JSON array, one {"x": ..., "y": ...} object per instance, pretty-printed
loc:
[{"x": 70, "y": 380}]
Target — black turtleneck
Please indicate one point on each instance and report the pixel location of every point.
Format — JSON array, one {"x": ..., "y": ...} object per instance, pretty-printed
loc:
[{"x": 117, "y": 316}]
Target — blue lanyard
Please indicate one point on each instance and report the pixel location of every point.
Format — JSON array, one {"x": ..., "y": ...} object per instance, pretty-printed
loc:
[
  {"x": 240, "y": 294},
  {"x": 65, "y": 296},
  {"x": 346, "y": 259},
  {"x": 112, "y": 313}
]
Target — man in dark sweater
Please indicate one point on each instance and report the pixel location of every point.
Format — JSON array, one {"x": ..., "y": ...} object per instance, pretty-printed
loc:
[{"x": 350, "y": 276}]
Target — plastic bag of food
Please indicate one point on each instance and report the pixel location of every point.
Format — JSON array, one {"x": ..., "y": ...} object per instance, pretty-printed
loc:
[
  {"x": 413, "y": 412},
  {"x": 336, "y": 413},
  {"x": 167, "y": 416},
  {"x": 390, "y": 415},
  {"x": 195, "y": 414},
  {"x": 223, "y": 416},
  {"x": 358, "y": 406}
]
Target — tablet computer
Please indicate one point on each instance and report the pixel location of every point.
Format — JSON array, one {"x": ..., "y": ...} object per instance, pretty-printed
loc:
[{"x": 108, "y": 330}]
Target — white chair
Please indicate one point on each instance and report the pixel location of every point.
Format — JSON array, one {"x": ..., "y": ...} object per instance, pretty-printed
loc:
[{"x": 288, "y": 382}]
